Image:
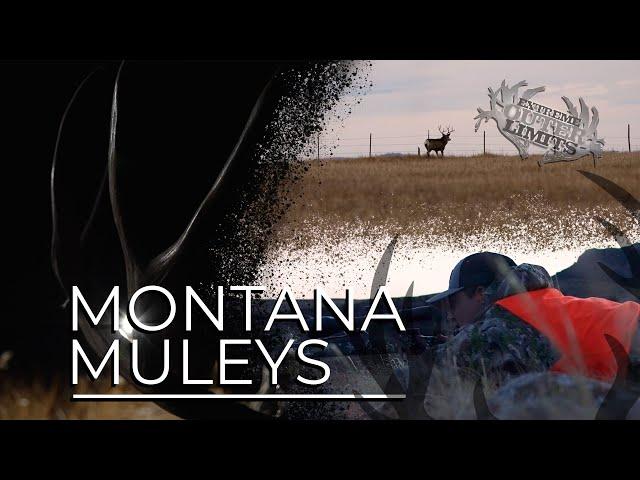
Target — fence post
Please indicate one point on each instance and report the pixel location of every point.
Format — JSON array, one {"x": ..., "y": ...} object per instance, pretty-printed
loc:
[
  {"x": 418, "y": 151},
  {"x": 629, "y": 135},
  {"x": 318, "y": 147},
  {"x": 484, "y": 142},
  {"x": 370, "y": 145}
]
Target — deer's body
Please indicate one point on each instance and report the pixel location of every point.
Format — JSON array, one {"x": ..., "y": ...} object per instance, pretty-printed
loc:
[{"x": 438, "y": 144}]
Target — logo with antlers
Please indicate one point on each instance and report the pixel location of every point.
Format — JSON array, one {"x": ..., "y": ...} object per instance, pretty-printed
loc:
[{"x": 565, "y": 136}]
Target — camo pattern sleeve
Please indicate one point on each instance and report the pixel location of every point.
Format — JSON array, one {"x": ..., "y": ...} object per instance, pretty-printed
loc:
[
  {"x": 523, "y": 278},
  {"x": 500, "y": 345}
]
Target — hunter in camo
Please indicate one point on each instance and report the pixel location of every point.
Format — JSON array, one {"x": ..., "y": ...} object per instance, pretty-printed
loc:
[{"x": 499, "y": 345}]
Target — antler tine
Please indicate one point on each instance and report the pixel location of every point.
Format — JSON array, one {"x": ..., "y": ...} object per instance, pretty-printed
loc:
[
  {"x": 157, "y": 269},
  {"x": 595, "y": 119},
  {"x": 160, "y": 266},
  {"x": 584, "y": 113},
  {"x": 132, "y": 266},
  {"x": 56, "y": 237},
  {"x": 570, "y": 107}
]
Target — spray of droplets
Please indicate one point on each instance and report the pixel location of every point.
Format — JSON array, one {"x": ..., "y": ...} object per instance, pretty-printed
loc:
[{"x": 314, "y": 102}]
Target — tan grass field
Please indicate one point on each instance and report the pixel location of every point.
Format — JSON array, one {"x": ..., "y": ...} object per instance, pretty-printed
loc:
[
  {"x": 459, "y": 194},
  {"x": 37, "y": 399}
]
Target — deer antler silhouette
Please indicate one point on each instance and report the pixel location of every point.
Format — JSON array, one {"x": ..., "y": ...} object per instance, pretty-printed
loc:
[
  {"x": 71, "y": 269},
  {"x": 498, "y": 101},
  {"x": 111, "y": 247},
  {"x": 590, "y": 143}
]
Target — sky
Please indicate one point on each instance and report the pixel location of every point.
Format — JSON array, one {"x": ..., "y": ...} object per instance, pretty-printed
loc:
[{"x": 409, "y": 97}]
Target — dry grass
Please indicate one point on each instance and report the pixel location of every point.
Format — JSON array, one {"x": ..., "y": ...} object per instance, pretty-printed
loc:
[
  {"x": 381, "y": 186},
  {"x": 459, "y": 194},
  {"x": 42, "y": 400}
]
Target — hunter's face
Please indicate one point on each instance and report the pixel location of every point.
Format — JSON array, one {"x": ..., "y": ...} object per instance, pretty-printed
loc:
[{"x": 463, "y": 309}]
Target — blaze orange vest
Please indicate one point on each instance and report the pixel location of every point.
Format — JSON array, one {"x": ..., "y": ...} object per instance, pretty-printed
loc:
[{"x": 576, "y": 328}]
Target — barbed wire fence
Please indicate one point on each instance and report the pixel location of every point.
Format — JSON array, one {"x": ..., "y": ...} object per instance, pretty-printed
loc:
[{"x": 461, "y": 145}]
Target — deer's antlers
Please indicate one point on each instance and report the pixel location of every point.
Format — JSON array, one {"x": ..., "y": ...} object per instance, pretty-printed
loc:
[{"x": 75, "y": 243}]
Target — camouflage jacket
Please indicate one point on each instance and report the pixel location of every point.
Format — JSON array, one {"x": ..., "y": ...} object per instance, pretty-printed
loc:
[{"x": 499, "y": 345}]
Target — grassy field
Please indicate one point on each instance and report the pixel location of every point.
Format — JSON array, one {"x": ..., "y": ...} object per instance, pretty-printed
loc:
[
  {"x": 38, "y": 399},
  {"x": 456, "y": 195}
]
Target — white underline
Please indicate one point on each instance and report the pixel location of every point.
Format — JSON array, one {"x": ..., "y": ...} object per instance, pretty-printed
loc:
[{"x": 255, "y": 396}]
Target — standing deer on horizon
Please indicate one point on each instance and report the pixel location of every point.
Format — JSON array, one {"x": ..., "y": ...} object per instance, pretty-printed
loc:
[{"x": 438, "y": 144}]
